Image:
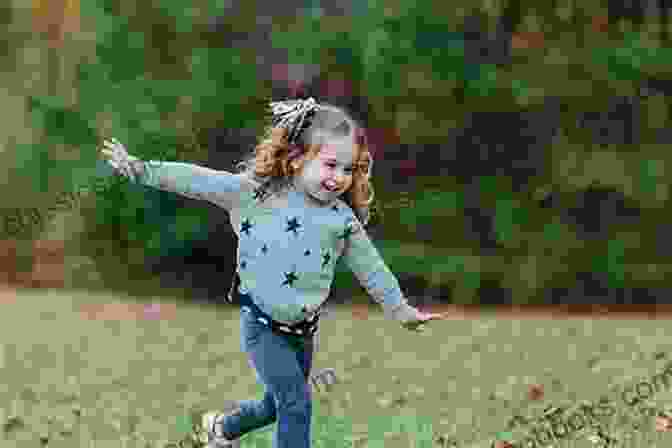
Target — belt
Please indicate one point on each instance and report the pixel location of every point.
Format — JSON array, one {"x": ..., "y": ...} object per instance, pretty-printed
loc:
[{"x": 306, "y": 327}]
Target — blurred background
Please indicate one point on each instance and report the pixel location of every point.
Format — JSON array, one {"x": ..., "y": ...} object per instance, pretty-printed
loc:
[{"x": 520, "y": 146}]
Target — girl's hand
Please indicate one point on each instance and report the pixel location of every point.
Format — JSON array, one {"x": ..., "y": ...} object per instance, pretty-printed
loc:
[
  {"x": 117, "y": 156},
  {"x": 417, "y": 321}
]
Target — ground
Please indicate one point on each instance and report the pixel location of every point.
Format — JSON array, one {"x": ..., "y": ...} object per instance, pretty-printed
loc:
[{"x": 134, "y": 370}]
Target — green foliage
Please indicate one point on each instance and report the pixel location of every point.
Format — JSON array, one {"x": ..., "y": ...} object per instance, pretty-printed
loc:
[
  {"x": 182, "y": 13},
  {"x": 223, "y": 83},
  {"x": 504, "y": 219},
  {"x": 62, "y": 124},
  {"x": 119, "y": 49},
  {"x": 552, "y": 231},
  {"x": 632, "y": 58},
  {"x": 124, "y": 83},
  {"x": 421, "y": 38},
  {"x": 432, "y": 204},
  {"x": 116, "y": 83},
  {"x": 650, "y": 175},
  {"x": 33, "y": 161},
  {"x": 615, "y": 259},
  {"x": 302, "y": 43}
]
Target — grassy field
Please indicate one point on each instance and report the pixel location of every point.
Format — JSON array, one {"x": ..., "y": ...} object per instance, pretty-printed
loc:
[{"x": 91, "y": 372}]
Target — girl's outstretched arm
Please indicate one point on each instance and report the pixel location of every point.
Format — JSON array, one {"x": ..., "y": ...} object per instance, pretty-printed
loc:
[
  {"x": 218, "y": 187},
  {"x": 364, "y": 260}
]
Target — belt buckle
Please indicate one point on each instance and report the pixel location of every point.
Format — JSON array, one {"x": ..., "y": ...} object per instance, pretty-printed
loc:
[{"x": 310, "y": 315}]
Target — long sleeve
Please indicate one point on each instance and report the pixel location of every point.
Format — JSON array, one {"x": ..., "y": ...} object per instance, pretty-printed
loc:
[
  {"x": 364, "y": 260},
  {"x": 218, "y": 187}
]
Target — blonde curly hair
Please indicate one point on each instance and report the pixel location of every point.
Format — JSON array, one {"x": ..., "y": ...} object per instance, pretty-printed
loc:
[{"x": 274, "y": 161}]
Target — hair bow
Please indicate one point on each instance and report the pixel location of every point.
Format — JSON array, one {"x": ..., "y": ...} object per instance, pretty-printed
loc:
[{"x": 294, "y": 115}]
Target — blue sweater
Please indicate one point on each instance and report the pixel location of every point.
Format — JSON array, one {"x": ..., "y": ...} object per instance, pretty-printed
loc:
[{"x": 288, "y": 246}]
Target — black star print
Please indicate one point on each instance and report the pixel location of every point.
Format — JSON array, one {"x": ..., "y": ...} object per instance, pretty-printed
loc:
[
  {"x": 292, "y": 225},
  {"x": 264, "y": 249},
  {"x": 246, "y": 226},
  {"x": 290, "y": 278},
  {"x": 259, "y": 193},
  {"x": 346, "y": 233},
  {"x": 243, "y": 264},
  {"x": 327, "y": 258}
]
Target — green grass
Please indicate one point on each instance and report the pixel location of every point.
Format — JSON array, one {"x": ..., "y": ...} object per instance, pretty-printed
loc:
[
  {"x": 136, "y": 380},
  {"x": 337, "y": 433}
]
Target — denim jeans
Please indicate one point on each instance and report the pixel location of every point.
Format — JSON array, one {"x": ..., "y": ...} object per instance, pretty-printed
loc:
[{"x": 282, "y": 364}]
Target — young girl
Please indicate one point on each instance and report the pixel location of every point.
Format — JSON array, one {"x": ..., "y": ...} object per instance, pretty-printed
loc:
[{"x": 297, "y": 206}]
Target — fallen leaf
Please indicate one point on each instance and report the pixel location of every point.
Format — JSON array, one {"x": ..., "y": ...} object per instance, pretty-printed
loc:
[
  {"x": 535, "y": 392},
  {"x": 600, "y": 24},
  {"x": 527, "y": 40}
]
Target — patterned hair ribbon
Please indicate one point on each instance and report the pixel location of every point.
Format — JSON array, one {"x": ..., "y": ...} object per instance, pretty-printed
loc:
[{"x": 294, "y": 115}]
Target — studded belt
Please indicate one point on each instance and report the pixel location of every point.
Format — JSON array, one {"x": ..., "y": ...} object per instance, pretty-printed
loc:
[{"x": 306, "y": 327}]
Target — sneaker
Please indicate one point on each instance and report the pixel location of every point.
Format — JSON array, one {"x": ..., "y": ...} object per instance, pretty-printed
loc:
[
  {"x": 325, "y": 377},
  {"x": 209, "y": 434}
]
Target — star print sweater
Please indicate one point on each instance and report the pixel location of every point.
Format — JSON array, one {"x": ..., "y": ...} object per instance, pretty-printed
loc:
[{"x": 287, "y": 246}]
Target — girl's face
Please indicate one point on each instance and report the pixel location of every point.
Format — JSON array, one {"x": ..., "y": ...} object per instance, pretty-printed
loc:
[{"x": 329, "y": 174}]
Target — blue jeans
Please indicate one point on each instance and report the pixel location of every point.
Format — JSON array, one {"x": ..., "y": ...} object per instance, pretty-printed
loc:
[{"x": 282, "y": 364}]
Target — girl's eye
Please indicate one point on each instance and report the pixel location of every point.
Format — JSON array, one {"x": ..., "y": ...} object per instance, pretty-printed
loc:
[{"x": 333, "y": 165}]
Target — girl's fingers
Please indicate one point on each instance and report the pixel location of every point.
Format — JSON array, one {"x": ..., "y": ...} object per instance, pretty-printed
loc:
[
  {"x": 114, "y": 150},
  {"x": 112, "y": 142}
]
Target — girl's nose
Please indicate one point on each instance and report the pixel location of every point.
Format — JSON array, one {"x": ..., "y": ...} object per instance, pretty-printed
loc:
[{"x": 338, "y": 179}]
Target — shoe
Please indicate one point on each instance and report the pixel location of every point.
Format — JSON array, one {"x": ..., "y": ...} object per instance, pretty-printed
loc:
[
  {"x": 325, "y": 377},
  {"x": 209, "y": 431}
]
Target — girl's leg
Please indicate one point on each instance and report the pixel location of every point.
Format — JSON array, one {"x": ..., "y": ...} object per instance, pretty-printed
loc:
[{"x": 283, "y": 366}]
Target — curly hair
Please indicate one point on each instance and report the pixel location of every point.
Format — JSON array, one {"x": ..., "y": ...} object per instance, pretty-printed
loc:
[{"x": 274, "y": 161}]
